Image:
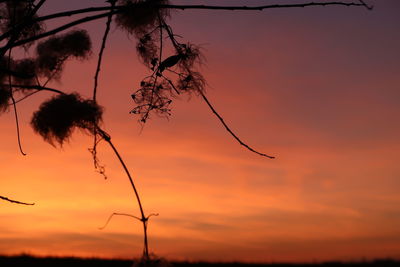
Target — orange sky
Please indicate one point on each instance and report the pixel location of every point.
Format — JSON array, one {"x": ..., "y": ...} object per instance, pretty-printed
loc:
[{"x": 319, "y": 88}]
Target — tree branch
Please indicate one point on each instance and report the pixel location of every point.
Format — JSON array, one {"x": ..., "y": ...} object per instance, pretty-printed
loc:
[
  {"x": 56, "y": 30},
  {"x": 103, "y": 46},
  {"x": 119, "y": 214},
  {"x": 34, "y": 87},
  {"x": 229, "y": 130},
  {"x": 16, "y": 201},
  {"x": 334, "y": 3},
  {"x": 119, "y": 9}
]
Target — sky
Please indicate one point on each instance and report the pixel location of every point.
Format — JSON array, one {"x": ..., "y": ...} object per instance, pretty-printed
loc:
[{"x": 317, "y": 87}]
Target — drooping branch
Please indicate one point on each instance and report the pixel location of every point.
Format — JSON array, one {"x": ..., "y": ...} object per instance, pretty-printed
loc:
[
  {"x": 118, "y": 214},
  {"x": 229, "y": 130},
  {"x": 16, "y": 201},
  {"x": 176, "y": 44}
]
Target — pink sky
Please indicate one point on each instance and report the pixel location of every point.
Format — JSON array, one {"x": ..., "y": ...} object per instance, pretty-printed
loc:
[{"x": 318, "y": 88}]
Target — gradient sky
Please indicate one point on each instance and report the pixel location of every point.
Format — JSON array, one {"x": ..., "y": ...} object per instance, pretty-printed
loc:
[{"x": 319, "y": 88}]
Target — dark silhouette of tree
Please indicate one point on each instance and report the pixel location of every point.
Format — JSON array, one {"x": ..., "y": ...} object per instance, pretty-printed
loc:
[{"x": 172, "y": 64}]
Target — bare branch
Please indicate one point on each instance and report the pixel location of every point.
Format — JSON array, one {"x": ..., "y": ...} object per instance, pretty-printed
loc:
[
  {"x": 263, "y": 7},
  {"x": 16, "y": 201},
  {"x": 103, "y": 46},
  {"x": 229, "y": 130},
  {"x": 54, "y": 31},
  {"x": 119, "y": 214},
  {"x": 14, "y": 105},
  {"x": 366, "y": 6},
  {"x": 36, "y": 87},
  {"x": 119, "y": 9}
]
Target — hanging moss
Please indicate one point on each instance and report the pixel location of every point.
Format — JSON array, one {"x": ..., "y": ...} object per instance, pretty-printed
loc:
[
  {"x": 25, "y": 71},
  {"x": 57, "y": 118},
  {"x": 140, "y": 15},
  {"x": 4, "y": 99},
  {"x": 52, "y": 53},
  {"x": 17, "y": 12}
]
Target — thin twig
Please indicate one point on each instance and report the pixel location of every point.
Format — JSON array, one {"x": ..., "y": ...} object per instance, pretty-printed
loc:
[
  {"x": 36, "y": 87},
  {"x": 103, "y": 46},
  {"x": 366, "y": 6},
  {"x": 100, "y": 168},
  {"x": 143, "y": 218},
  {"x": 229, "y": 130},
  {"x": 16, "y": 201},
  {"x": 176, "y": 45},
  {"x": 119, "y": 214},
  {"x": 13, "y": 99},
  {"x": 56, "y": 30}
]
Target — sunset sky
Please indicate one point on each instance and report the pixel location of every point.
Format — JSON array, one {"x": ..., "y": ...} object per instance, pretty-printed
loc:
[{"x": 318, "y": 87}]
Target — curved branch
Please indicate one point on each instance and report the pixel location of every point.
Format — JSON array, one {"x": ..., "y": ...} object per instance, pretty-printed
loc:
[
  {"x": 229, "y": 130},
  {"x": 16, "y": 201},
  {"x": 143, "y": 218},
  {"x": 119, "y": 214}
]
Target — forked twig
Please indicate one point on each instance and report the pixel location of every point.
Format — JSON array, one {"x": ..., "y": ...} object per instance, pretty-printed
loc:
[{"x": 129, "y": 215}]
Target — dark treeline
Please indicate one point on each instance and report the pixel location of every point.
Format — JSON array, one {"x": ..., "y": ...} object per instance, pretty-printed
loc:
[{"x": 31, "y": 261}]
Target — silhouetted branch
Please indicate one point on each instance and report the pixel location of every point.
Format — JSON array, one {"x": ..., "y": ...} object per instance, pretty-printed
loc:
[
  {"x": 103, "y": 46},
  {"x": 208, "y": 7},
  {"x": 119, "y": 9},
  {"x": 119, "y": 214},
  {"x": 183, "y": 7},
  {"x": 229, "y": 130},
  {"x": 14, "y": 106},
  {"x": 366, "y": 6},
  {"x": 16, "y": 201},
  {"x": 56, "y": 30},
  {"x": 99, "y": 167},
  {"x": 177, "y": 46},
  {"x": 36, "y": 87},
  {"x": 143, "y": 218}
]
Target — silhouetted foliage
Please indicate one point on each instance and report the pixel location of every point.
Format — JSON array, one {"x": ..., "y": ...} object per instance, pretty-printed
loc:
[
  {"x": 53, "y": 52},
  {"x": 58, "y": 117},
  {"x": 15, "y": 13},
  {"x": 139, "y": 16},
  {"x": 25, "y": 71},
  {"x": 4, "y": 98}
]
